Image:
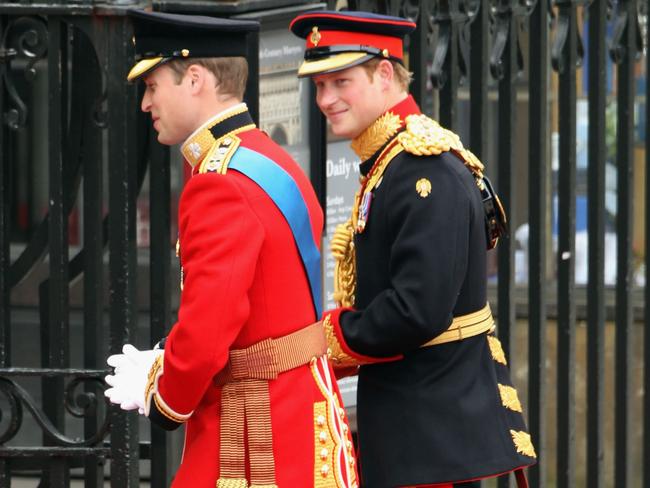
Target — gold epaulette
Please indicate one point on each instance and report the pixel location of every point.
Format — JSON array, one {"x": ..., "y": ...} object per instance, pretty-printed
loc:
[
  {"x": 218, "y": 156},
  {"x": 426, "y": 137}
]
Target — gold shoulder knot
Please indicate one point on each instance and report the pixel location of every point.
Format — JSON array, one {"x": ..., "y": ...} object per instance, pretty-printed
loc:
[
  {"x": 218, "y": 156},
  {"x": 426, "y": 137}
]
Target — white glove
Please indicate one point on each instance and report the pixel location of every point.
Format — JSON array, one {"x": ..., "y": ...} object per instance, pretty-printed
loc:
[{"x": 130, "y": 378}]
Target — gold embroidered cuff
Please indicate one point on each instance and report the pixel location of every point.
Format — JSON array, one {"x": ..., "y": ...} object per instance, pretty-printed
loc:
[
  {"x": 151, "y": 394},
  {"x": 152, "y": 382},
  {"x": 339, "y": 358}
]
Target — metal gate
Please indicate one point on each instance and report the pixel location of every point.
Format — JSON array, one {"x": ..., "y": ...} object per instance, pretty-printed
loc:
[{"x": 517, "y": 78}]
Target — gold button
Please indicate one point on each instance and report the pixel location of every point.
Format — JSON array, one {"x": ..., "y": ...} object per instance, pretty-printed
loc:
[
  {"x": 324, "y": 471},
  {"x": 385, "y": 53},
  {"x": 322, "y": 436},
  {"x": 324, "y": 453},
  {"x": 185, "y": 52},
  {"x": 320, "y": 420}
]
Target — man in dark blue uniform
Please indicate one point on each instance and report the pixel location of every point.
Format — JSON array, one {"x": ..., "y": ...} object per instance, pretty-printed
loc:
[{"x": 436, "y": 406}]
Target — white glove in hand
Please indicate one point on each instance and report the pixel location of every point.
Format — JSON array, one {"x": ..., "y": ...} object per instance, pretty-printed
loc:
[{"x": 130, "y": 377}]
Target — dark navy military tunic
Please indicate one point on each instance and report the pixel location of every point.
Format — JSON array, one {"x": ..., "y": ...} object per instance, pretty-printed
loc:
[{"x": 436, "y": 415}]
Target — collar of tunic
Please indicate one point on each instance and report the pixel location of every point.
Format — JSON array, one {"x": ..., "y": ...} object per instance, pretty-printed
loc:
[
  {"x": 370, "y": 143},
  {"x": 230, "y": 121}
]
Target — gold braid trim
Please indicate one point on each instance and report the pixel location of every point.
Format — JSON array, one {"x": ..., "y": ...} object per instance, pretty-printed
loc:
[
  {"x": 151, "y": 387},
  {"x": 339, "y": 358},
  {"x": 426, "y": 137},
  {"x": 219, "y": 155},
  {"x": 197, "y": 145}
]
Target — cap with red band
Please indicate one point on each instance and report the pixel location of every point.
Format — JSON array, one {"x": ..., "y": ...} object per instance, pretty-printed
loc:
[{"x": 340, "y": 40}]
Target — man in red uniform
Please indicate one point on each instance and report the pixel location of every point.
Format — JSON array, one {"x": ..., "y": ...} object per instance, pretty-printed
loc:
[
  {"x": 435, "y": 404},
  {"x": 242, "y": 368}
]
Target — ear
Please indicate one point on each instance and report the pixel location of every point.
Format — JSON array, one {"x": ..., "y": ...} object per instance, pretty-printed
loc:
[
  {"x": 385, "y": 73},
  {"x": 195, "y": 76}
]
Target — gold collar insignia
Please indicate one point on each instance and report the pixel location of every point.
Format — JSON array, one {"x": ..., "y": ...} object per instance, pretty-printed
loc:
[
  {"x": 197, "y": 146},
  {"x": 379, "y": 133}
]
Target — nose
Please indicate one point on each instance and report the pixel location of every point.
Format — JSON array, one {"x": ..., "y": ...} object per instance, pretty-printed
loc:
[
  {"x": 145, "y": 106},
  {"x": 325, "y": 96}
]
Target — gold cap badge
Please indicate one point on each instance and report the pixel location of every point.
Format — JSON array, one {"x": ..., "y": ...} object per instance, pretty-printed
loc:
[
  {"x": 315, "y": 36},
  {"x": 185, "y": 52},
  {"x": 423, "y": 187}
]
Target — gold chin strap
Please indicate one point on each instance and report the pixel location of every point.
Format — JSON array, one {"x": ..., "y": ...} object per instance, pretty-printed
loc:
[{"x": 466, "y": 326}]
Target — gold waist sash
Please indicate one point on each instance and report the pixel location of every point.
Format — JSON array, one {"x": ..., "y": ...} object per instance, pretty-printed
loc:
[{"x": 246, "y": 407}]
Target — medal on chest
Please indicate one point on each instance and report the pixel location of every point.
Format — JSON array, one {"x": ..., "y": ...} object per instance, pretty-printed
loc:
[{"x": 364, "y": 211}]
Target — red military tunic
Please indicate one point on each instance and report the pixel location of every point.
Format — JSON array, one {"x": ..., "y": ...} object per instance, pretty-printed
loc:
[{"x": 243, "y": 282}]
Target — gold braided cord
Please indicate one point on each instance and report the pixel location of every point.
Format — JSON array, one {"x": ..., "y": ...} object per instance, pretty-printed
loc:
[
  {"x": 342, "y": 246},
  {"x": 342, "y": 243},
  {"x": 377, "y": 173}
]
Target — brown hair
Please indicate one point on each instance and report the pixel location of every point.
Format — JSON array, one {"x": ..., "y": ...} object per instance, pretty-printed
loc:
[
  {"x": 403, "y": 77},
  {"x": 231, "y": 73}
]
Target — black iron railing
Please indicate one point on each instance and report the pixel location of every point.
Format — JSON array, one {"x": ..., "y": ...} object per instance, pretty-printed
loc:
[{"x": 509, "y": 75}]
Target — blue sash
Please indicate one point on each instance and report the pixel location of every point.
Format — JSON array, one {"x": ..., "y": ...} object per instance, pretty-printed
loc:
[{"x": 279, "y": 185}]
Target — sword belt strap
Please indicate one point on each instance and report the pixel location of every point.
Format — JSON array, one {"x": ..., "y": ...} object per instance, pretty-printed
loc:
[
  {"x": 465, "y": 326},
  {"x": 246, "y": 407}
]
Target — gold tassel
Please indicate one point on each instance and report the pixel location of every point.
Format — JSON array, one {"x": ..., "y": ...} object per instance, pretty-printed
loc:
[{"x": 232, "y": 483}]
